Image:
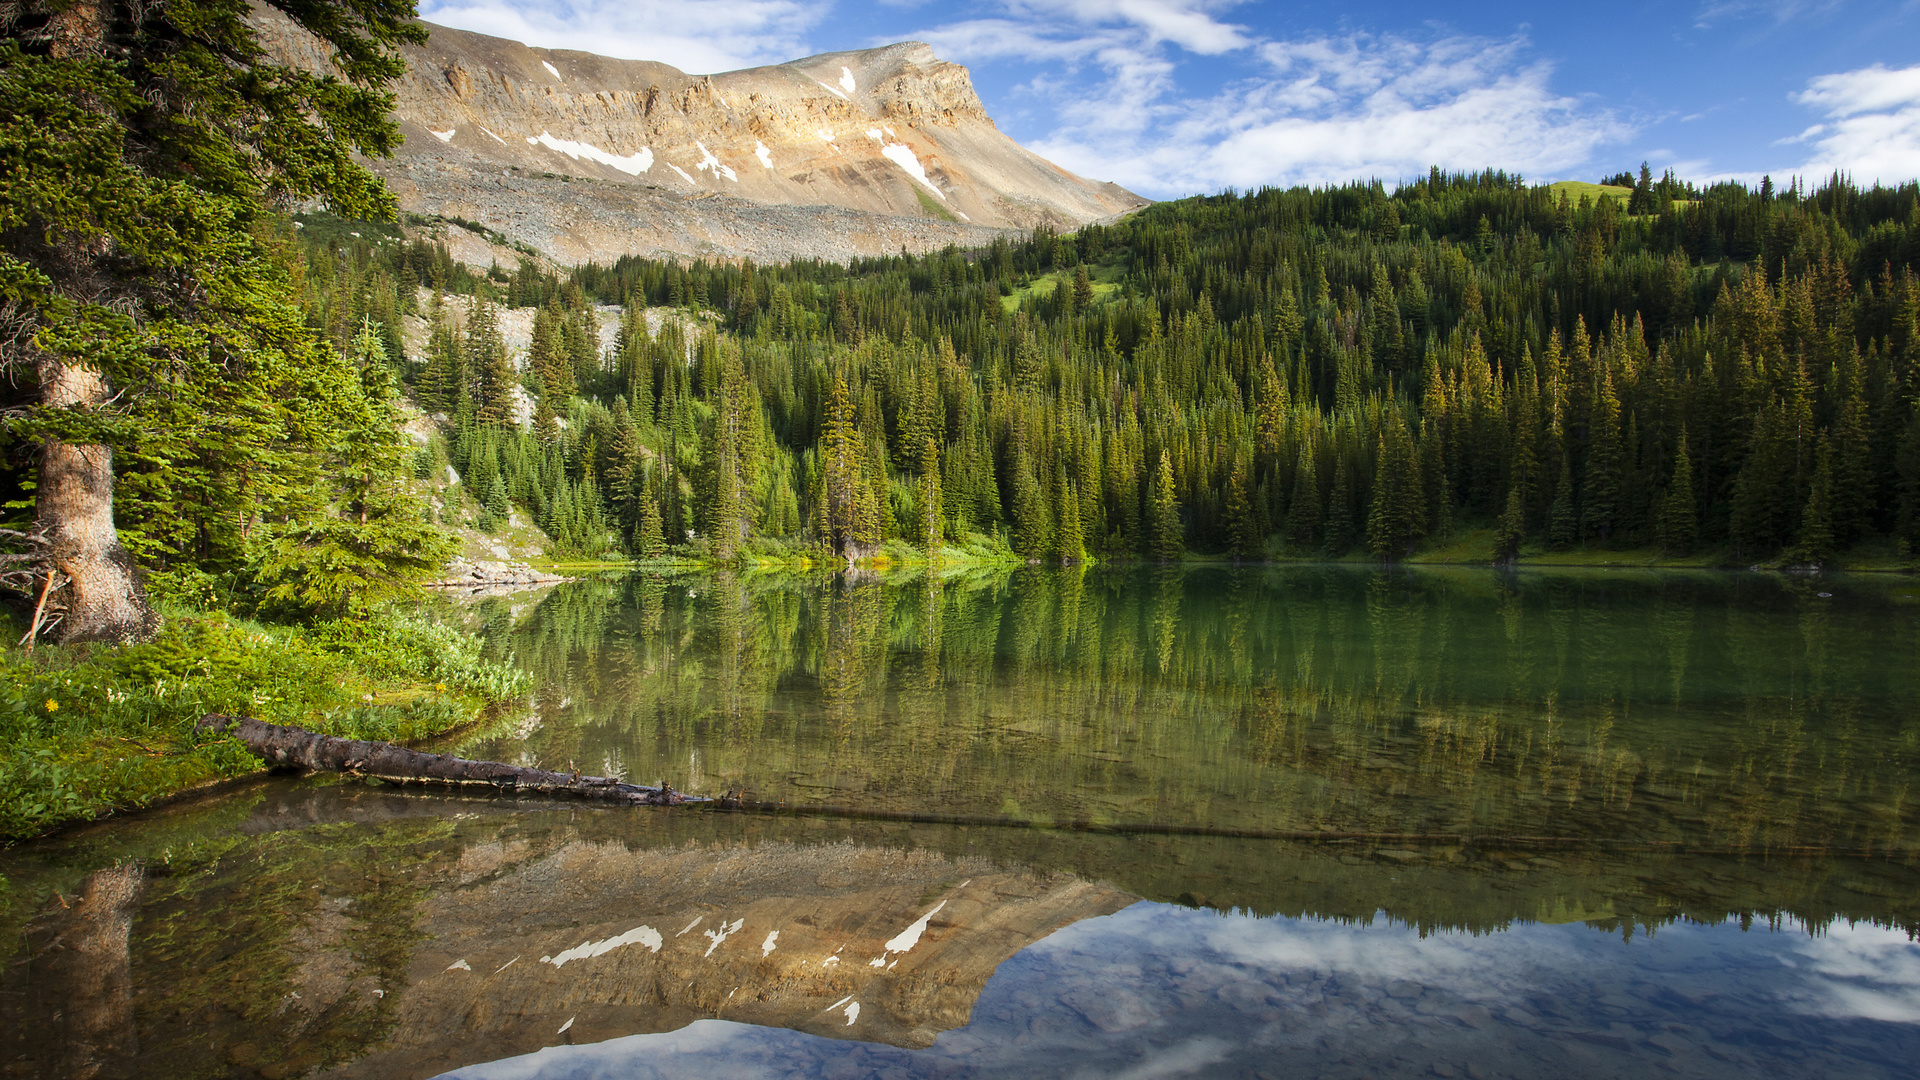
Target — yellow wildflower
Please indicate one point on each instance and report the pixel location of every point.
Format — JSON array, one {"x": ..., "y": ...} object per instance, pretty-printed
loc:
[{"x": 52, "y": 705}]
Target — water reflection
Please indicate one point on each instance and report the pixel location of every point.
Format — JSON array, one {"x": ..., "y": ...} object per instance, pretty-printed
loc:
[
  {"x": 340, "y": 929},
  {"x": 1157, "y": 991},
  {"x": 1609, "y": 823},
  {"x": 1731, "y": 713}
]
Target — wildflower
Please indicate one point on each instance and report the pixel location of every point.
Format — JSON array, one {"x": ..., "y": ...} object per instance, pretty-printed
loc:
[
  {"x": 52, "y": 705},
  {"x": 439, "y": 686}
]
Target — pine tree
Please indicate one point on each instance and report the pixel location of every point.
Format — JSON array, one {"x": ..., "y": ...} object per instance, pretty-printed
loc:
[
  {"x": 1339, "y": 529},
  {"x": 1815, "y": 546},
  {"x": 1243, "y": 539},
  {"x": 1562, "y": 522},
  {"x": 1512, "y": 530},
  {"x": 1677, "y": 527},
  {"x": 1070, "y": 541},
  {"x": 1397, "y": 517},
  {"x": 933, "y": 514},
  {"x": 1907, "y": 485},
  {"x": 494, "y": 379},
  {"x": 1166, "y": 540},
  {"x": 1305, "y": 512}
]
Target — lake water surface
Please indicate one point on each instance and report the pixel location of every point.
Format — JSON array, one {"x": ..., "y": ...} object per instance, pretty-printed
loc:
[{"x": 1302, "y": 821}]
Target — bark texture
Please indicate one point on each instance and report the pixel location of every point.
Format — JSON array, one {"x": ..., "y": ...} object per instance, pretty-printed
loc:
[
  {"x": 279, "y": 745},
  {"x": 105, "y": 599}
]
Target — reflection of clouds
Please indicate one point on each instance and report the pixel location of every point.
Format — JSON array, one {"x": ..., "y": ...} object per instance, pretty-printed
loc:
[
  {"x": 1181, "y": 1059},
  {"x": 1486, "y": 966},
  {"x": 1156, "y": 992},
  {"x": 1866, "y": 972},
  {"x": 724, "y": 1050}
]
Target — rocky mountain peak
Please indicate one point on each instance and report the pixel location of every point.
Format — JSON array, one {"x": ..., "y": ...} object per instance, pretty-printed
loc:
[{"x": 831, "y": 156}]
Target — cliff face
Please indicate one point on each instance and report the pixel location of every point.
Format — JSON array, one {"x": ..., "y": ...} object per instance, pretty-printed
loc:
[{"x": 892, "y": 142}]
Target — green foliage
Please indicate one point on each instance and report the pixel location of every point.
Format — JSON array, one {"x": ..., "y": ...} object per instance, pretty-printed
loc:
[
  {"x": 332, "y": 569},
  {"x": 1522, "y": 340},
  {"x": 85, "y": 730},
  {"x": 163, "y": 269}
]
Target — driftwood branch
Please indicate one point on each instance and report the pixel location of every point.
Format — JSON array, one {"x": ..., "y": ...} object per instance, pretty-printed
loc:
[{"x": 279, "y": 745}]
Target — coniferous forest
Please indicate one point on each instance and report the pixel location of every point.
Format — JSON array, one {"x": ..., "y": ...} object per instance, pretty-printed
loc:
[{"x": 1297, "y": 374}]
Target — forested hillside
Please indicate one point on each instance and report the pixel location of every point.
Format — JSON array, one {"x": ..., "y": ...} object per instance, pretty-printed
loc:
[{"x": 1284, "y": 373}]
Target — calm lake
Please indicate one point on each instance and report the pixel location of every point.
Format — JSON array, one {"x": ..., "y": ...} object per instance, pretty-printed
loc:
[{"x": 1118, "y": 822}]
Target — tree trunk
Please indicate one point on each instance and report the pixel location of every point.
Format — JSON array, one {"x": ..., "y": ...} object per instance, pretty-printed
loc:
[
  {"x": 74, "y": 501},
  {"x": 106, "y": 600},
  {"x": 279, "y": 745}
]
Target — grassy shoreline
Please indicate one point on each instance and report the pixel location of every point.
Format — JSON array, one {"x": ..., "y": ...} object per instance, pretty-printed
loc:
[{"x": 87, "y": 731}]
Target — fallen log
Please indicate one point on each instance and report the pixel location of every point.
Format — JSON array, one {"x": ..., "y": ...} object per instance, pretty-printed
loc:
[
  {"x": 278, "y": 745},
  {"x": 396, "y": 764}
]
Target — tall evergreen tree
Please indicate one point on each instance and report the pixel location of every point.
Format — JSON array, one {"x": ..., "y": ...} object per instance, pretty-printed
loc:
[
  {"x": 1167, "y": 541},
  {"x": 1398, "y": 515},
  {"x": 144, "y": 145},
  {"x": 1677, "y": 526}
]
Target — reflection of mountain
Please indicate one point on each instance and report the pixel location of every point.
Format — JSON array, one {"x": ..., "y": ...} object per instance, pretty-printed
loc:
[
  {"x": 875, "y": 944},
  {"x": 416, "y": 946},
  {"x": 359, "y": 932}
]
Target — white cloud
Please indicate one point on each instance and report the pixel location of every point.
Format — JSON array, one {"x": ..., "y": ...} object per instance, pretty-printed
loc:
[
  {"x": 1328, "y": 110},
  {"x": 1872, "y": 127},
  {"x": 712, "y": 35},
  {"x": 1776, "y": 11}
]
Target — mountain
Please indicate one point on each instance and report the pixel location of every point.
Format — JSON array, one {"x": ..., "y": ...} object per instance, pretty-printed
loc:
[{"x": 585, "y": 157}]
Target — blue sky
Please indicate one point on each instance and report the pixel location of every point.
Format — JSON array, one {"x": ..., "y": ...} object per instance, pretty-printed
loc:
[{"x": 1181, "y": 97}]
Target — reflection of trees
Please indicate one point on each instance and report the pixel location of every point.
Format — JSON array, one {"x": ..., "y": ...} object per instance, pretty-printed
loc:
[
  {"x": 1660, "y": 709},
  {"x": 85, "y": 977},
  {"x": 286, "y": 943}
]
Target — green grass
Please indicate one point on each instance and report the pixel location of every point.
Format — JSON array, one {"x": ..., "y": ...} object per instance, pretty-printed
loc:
[
  {"x": 88, "y": 729},
  {"x": 1106, "y": 277},
  {"x": 933, "y": 208},
  {"x": 1574, "y": 189}
]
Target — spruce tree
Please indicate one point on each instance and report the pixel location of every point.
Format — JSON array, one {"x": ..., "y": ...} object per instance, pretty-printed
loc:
[
  {"x": 933, "y": 515},
  {"x": 495, "y": 383},
  {"x": 1815, "y": 545},
  {"x": 1562, "y": 522},
  {"x": 652, "y": 540},
  {"x": 1243, "y": 539},
  {"x": 1397, "y": 516},
  {"x": 144, "y": 146},
  {"x": 1600, "y": 492},
  {"x": 1678, "y": 524},
  {"x": 1305, "y": 512},
  {"x": 1166, "y": 540},
  {"x": 1033, "y": 509},
  {"x": 1907, "y": 485},
  {"x": 1512, "y": 530},
  {"x": 1070, "y": 541},
  {"x": 1339, "y": 528}
]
